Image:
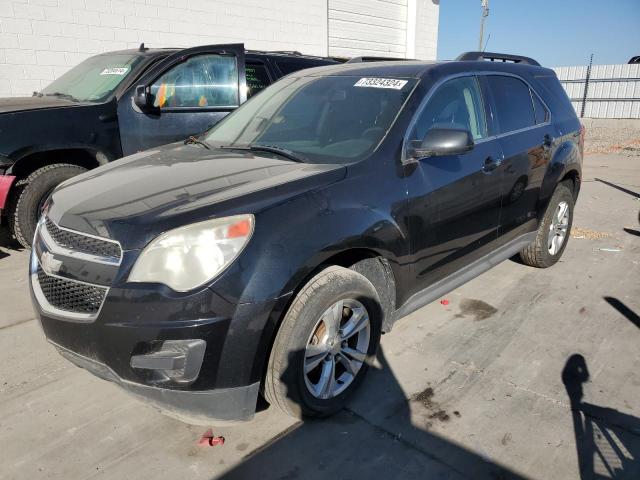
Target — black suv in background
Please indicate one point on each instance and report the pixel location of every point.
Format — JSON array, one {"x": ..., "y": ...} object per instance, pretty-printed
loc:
[
  {"x": 119, "y": 103},
  {"x": 270, "y": 255}
]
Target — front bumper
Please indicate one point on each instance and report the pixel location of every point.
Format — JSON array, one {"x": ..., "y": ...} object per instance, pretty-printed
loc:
[
  {"x": 194, "y": 407},
  {"x": 124, "y": 338}
]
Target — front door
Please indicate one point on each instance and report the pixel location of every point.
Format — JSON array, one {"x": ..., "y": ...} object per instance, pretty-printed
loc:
[
  {"x": 192, "y": 90},
  {"x": 454, "y": 200}
]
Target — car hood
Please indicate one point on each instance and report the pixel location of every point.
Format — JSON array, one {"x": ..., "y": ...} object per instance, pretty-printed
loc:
[
  {"x": 134, "y": 199},
  {"x": 21, "y": 104}
]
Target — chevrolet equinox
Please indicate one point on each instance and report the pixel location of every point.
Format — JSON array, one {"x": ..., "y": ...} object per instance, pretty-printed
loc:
[{"x": 267, "y": 256}]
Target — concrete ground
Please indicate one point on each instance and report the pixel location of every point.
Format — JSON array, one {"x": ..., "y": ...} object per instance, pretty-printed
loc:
[{"x": 526, "y": 373}]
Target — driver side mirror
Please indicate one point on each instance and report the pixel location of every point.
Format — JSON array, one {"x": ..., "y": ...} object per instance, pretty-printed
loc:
[
  {"x": 442, "y": 141},
  {"x": 143, "y": 98}
]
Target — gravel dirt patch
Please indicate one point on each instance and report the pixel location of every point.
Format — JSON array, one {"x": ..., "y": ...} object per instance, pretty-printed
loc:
[{"x": 608, "y": 139}]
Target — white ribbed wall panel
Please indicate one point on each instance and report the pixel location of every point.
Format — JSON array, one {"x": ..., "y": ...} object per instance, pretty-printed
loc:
[
  {"x": 614, "y": 90},
  {"x": 368, "y": 27}
]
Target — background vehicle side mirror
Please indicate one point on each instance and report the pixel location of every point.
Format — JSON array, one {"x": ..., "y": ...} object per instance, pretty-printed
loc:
[
  {"x": 143, "y": 98},
  {"x": 442, "y": 141}
]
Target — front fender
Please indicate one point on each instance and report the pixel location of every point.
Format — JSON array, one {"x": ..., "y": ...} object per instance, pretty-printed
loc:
[{"x": 291, "y": 244}]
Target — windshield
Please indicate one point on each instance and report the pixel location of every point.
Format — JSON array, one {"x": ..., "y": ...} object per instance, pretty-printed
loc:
[
  {"x": 337, "y": 119},
  {"x": 95, "y": 79}
]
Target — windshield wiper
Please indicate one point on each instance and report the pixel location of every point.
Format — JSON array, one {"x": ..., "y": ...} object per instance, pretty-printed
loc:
[
  {"x": 197, "y": 141},
  {"x": 66, "y": 96},
  {"x": 278, "y": 151},
  {"x": 283, "y": 152}
]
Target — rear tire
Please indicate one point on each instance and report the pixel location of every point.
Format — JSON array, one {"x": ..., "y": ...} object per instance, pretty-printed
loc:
[
  {"x": 287, "y": 382},
  {"x": 29, "y": 195},
  {"x": 547, "y": 248}
]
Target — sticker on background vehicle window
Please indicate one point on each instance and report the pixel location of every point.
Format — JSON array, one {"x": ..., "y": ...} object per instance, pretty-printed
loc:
[
  {"x": 381, "y": 83},
  {"x": 114, "y": 71}
]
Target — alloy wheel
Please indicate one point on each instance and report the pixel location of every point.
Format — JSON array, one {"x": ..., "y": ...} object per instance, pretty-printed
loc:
[
  {"x": 337, "y": 348},
  {"x": 558, "y": 228}
]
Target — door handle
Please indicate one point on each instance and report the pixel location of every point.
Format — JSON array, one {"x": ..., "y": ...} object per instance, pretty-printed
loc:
[
  {"x": 490, "y": 164},
  {"x": 548, "y": 142}
]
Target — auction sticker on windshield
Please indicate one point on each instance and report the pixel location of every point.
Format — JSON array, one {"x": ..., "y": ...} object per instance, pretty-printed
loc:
[
  {"x": 381, "y": 83},
  {"x": 115, "y": 71}
]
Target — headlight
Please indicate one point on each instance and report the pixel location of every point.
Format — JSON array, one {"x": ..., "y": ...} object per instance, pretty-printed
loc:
[{"x": 188, "y": 257}]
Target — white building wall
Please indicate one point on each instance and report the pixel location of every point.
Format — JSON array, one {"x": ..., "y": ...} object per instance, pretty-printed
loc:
[
  {"x": 368, "y": 27},
  {"x": 386, "y": 28},
  {"x": 41, "y": 39},
  {"x": 426, "y": 28}
]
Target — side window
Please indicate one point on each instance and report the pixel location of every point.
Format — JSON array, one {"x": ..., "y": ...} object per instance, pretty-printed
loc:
[
  {"x": 257, "y": 78},
  {"x": 456, "y": 104},
  {"x": 540, "y": 111},
  {"x": 513, "y": 103},
  {"x": 201, "y": 81},
  {"x": 288, "y": 65}
]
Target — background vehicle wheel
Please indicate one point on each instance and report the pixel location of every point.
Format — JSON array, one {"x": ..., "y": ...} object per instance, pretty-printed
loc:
[
  {"x": 553, "y": 232},
  {"x": 28, "y": 199},
  {"x": 326, "y": 341}
]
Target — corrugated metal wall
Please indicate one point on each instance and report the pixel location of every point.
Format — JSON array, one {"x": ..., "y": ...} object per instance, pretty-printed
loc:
[
  {"x": 614, "y": 90},
  {"x": 368, "y": 27}
]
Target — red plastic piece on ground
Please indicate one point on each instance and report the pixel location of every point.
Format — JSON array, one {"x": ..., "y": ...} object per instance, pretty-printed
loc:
[
  {"x": 444, "y": 301},
  {"x": 210, "y": 440}
]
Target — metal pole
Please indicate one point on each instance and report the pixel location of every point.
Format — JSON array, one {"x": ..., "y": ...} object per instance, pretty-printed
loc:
[
  {"x": 485, "y": 14},
  {"x": 586, "y": 87}
]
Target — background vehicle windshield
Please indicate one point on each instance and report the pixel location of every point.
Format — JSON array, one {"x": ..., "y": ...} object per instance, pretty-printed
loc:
[
  {"x": 337, "y": 119},
  {"x": 95, "y": 79}
]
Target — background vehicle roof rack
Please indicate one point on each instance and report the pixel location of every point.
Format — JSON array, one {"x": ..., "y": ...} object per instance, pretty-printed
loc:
[
  {"x": 495, "y": 57},
  {"x": 288, "y": 52},
  {"x": 376, "y": 59}
]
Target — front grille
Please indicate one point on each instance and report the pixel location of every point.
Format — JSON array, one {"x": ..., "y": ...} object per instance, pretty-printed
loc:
[
  {"x": 83, "y": 243},
  {"x": 69, "y": 295}
]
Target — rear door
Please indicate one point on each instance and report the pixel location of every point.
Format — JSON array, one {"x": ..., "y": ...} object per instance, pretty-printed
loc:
[
  {"x": 526, "y": 138},
  {"x": 454, "y": 200},
  {"x": 192, "y": 90}
]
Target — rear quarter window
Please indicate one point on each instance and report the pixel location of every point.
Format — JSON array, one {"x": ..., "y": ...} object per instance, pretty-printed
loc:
[
  {"x": 541, "y": 112},
  {"x": 556, "y": 97}
]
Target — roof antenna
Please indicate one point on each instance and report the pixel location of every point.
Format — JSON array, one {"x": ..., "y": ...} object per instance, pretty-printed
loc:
[
  {"x": 485, "y": 43},
  {"x": 142, "y": 48}
]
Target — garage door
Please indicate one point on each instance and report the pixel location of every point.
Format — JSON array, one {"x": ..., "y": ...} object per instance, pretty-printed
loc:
[{"x": 367, "y": 28}]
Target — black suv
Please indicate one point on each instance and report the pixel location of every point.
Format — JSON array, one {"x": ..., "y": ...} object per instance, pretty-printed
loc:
[
  {"x": 270, "y": 255},
  {"x": 119, "y": 103}
]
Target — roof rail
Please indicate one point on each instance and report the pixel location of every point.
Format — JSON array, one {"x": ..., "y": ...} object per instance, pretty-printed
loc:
[
  {"x": 493, "y": 57},
  {"x": 289, "y": 52},
  {"x": 376, "y": 59}
]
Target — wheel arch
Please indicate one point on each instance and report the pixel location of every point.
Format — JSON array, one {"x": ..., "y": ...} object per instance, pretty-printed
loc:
[
  {"x": 565, "y": 165},
  {"x": 370, "y": 263},
  {"x": 31, "y": 161},
  {"x": 573, "y": 175}
]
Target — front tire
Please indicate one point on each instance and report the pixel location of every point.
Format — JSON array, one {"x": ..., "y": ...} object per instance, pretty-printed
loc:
[
  {"x": 28, "y": 198},
  {"x": 553, "y": 231},
  {"x": 327, "y": 339}
]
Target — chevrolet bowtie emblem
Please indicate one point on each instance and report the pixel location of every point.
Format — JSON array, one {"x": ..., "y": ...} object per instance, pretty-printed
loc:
[{"x": 49, "y": 263}]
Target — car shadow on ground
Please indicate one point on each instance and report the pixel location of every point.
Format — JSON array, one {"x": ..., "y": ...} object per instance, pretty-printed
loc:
[{"x": 383, "y": 443}]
